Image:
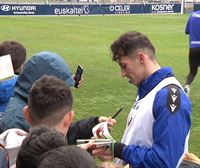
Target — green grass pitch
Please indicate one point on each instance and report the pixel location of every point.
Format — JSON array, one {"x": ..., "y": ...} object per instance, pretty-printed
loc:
[{"x": 85, "y": 40}]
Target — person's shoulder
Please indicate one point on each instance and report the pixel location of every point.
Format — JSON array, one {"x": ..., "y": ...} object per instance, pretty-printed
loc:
[
  {"x": 13, "y": 117},
  {"x": 15, "y": 105},
  {"x": 171, "y": 90},
  {"x": 170, "y": 100},
  {"x": 9, "y": 82},
  {"x": 173, "y": 96},
  {"x": 195, "y": 14},
  {"x": 12, "y": 138}
]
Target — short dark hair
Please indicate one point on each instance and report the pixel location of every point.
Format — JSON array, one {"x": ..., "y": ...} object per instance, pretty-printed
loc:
[
  {"x": 17, "y": 52},
  {"x": 38, "y": 141},
  {"x": 49, "y": 100},
  {"x": 131, "y": 42},
  {"x": 67, "y": 157}
]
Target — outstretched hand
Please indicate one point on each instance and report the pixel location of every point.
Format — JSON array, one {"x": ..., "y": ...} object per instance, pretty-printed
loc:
[{"x": 87, "y": 145}]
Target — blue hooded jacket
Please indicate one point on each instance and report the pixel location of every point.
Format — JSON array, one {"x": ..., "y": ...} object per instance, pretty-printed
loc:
[{"x": 6, "y": 92}]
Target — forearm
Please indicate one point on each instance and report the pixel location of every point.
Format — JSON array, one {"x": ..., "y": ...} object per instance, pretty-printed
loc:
[
  {"x": 81, "y": 129},
  {"x": 143, "y": 157},
  {"x": 137, "y": 156}
]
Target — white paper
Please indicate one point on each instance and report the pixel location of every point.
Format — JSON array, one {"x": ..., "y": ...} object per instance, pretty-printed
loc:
[{"x": 6, "y": 67}]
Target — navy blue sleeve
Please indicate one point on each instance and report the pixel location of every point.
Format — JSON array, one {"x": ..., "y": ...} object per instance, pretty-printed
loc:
[
  {"x": 170, "y": 130},
  {"x": 187, "y": 28},
  {"x": 81, "y": 129}
]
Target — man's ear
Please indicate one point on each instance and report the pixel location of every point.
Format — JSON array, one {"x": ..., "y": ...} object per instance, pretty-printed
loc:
[
  {"x": 26, "y": 114},
  {"x": 141, "y": 57},
  {"x": 68, "y": 118}
]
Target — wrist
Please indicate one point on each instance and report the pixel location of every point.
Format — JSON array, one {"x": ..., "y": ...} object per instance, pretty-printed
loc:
[
  {"x": 118, "y": 149},
  {"x": 97, "y": 120}
]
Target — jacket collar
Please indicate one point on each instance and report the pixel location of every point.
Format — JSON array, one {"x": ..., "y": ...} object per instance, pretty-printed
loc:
[{"x": 146, "y": 86}]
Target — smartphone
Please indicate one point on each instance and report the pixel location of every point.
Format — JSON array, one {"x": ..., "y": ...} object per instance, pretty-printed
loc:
[{"x": 78, "y": 75}]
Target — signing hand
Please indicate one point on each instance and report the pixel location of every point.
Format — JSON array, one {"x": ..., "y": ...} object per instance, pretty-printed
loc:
[{"x": 111, "y": 121}]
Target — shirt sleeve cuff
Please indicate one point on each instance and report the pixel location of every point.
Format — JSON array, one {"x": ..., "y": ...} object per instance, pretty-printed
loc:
[{"x": 118, "y": 149}]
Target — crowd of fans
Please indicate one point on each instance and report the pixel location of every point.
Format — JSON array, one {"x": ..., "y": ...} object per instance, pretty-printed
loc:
[
  {"x": 36, "y": 115},
  {"x": 41, "y": 101}
]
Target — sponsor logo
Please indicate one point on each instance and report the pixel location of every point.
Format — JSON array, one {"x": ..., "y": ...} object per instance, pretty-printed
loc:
[
  {"x": 120, "y": 9},
  {"x": 19, "y": 9},
  {"x": 72, "y": 10},
  {"x": 24, "y": 8},
  {"x": 196, "y": 15},
  {"x": 163, "y": 8},
  {"x": 5, "y": 8},
  {"x": 195, "y": 42}
]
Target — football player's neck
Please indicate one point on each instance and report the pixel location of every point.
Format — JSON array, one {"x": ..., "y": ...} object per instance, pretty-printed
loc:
[{"x": 152, "y": 67}]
